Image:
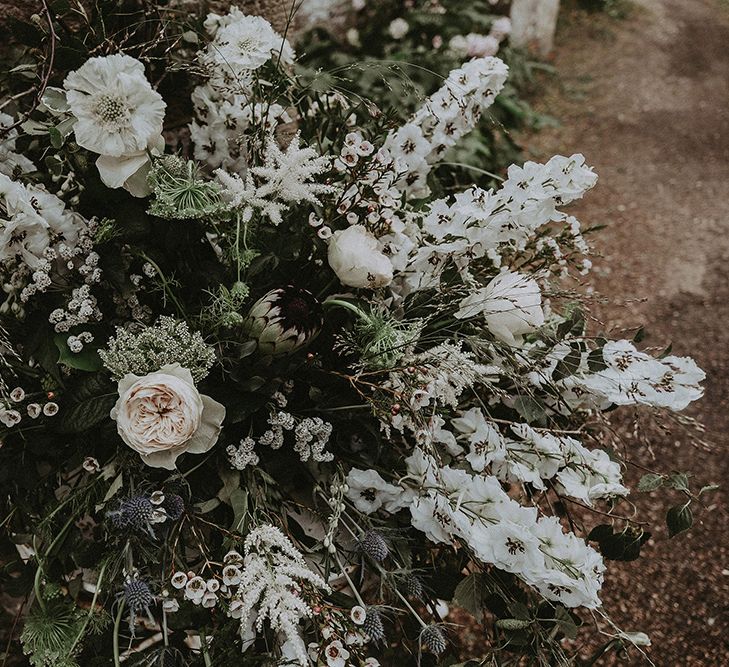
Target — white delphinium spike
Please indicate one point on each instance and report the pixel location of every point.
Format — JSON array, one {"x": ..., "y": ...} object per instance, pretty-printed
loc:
[
  {"x": 271, "y": 587},
  {"x": 445, "y": 117},
  {"x": 476, "y": 223}
]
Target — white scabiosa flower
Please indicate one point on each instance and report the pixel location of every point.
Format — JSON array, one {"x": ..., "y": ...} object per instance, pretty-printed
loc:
[
  {"x": 117, "y": 112},
  {"x": 355, "y": 257},
  {"x": 511, "y": 305},
  {"x": 118, "y": 115}
]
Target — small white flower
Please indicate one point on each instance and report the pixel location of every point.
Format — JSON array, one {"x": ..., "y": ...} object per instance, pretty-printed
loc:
[
  {"x": 91, "y": 465},
  {"x": 34, "y": 410},
  {"x": 170, "y": 605},
  {"x": 209, "y": 600},
  {"x": 50, "y": 409},
  {"x": 398, "y": 28},
  {"x": 358, "y": 614},
  {"x": 17, "y": 394},
  {"x": 195, "y": 589},
  {"x": 179, "y": 580},
  {"x": 232, "y": 558},
  {"x": 157, "y": 498},
  {"x": 336, "y": 654},
  {"x": 231, "y": 575}
]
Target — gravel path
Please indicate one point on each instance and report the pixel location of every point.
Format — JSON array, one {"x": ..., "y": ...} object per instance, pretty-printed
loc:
[{"x": 646, "y": 99}]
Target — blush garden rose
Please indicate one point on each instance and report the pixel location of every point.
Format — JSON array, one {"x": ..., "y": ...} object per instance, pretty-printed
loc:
[{"x": 162, "y": 415}]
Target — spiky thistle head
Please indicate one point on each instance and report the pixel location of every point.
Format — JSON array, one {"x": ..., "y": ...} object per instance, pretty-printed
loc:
[
  {"x": 173, "y": 505},
  {"x": 373, "y": 625},
  {"x": 374, "y": 545},
  {"x": 377, "y": 338},
  {"x": 414, "y": 587},
  {"x": 433, "y": 638}
]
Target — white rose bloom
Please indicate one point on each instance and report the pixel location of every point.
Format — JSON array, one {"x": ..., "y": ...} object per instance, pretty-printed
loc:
[
  {"x": 162, "y": 415},
  {"x": 511, "y": 305},
  {"x": 356, "y": 259},
  {"x": 117, "y": 112}
]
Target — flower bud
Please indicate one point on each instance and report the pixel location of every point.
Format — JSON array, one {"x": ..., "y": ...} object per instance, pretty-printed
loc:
[{"x": 284, "y": 320}]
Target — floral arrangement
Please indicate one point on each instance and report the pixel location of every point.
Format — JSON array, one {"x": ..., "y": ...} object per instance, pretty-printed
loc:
[{"x": 271, "y": 393}]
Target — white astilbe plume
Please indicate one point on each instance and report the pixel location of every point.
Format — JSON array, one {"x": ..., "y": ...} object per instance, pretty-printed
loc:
[
  {"x": 447, "y": 116},
  {"x": 286, "y": 177},
  {"x": 272, "y": 586}
]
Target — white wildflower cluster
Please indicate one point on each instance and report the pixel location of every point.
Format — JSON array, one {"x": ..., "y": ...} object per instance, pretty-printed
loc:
[
  {"x": 311, "y": 435},
  {"x": 435, "y": 378},
  {"x": 481, "y": 223},
  {"x": 616, "y": 374},
  {"x": 449, "y": 504},
  {"x": 535, "y": 456},
  {"x": 476, "y": 45},
  {"x": 285, "y": 178},
  {"x": 145, "y": 350},
  {"x": 12, "y": 410},
  {"x": 225, "y": 106},
  {"x": 447, "y": 116},
  {"x": 42, "y": 241}
]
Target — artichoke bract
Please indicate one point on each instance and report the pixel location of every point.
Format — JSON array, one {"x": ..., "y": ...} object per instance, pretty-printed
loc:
[{"x": 284, "y": 320}]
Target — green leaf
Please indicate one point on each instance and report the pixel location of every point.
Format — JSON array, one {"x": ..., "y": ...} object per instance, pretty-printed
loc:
[
  {"x": 708, "y": 488},
  {"x": 679, "y": 481},
  {"x": 679, "y": 519},
  {"x": 530, "y": 409},
  {"x": 207, "y": 506},
  {"x": 639, "y": 335},
  {"x": 112, "y": 491},
  {"x": 86, "y": 414},
  {"x": 596, "y": 361},
  {"x": 86, "y": 360},
  {"x": 650, "y": 482},
  {"x": 231, "y": 482},
  {"x": 57, "y": 138},
  {"x": 566, "y": 623},
  {"x": 239, "y": 503},
  {"x": 470, "y": 593}
]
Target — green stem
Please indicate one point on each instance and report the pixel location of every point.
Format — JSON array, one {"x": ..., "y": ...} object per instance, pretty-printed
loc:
[
  {"x": 350, "y": 582},
  {"x": 39, "y": 569},
  {"x": 91, "y": 609},
  {"x": 117, "y": 623},
  {"x": 204, "y": 649},
  {"x": 347, "y": 305}
]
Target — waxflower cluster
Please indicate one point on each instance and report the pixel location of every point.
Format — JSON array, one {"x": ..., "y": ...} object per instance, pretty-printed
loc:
[{"x": 276, "y": 388}]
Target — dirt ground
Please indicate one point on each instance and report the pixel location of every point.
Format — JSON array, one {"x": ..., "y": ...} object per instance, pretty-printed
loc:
[{"x": 646, "y": 100}]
